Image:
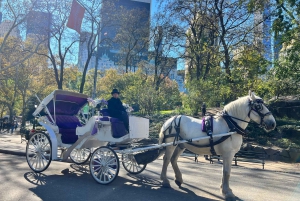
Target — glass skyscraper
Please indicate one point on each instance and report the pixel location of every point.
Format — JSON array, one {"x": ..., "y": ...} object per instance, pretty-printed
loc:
[{"x": 110, "y": 32}]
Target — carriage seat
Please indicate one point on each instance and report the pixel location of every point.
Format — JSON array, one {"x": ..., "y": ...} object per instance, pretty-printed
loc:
[
  {"x": 67, "y": 128},
  {"x": 117, "y": 126}
]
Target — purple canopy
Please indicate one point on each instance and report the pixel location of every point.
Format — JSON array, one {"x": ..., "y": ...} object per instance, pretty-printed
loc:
[{"x": 66, "y": 103}]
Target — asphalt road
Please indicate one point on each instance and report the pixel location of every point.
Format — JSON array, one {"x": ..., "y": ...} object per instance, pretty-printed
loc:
[{"x": 66, "y": 181}]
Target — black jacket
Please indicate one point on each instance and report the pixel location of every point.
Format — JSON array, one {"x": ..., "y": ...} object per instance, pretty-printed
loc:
[{"x": 115, "y": 107}]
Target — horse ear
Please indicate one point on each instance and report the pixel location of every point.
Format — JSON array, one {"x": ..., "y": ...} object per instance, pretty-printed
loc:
[{"x": 252, "y": 95}]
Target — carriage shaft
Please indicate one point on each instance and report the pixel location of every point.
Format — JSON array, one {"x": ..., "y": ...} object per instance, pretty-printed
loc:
[{"x": 131, "y": 151}]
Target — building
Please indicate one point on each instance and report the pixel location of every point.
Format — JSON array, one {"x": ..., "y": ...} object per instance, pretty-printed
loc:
[
  {"x": 83, "y": 53},
  {"x": 263, "y": 36},
  {"x": 6, "y": 26},
  {"x": 38, "y": 28},
  {"x": 105, "y": 63},
  {"x": 109, "y": 33},
  {"x": 38, "y": 23}
]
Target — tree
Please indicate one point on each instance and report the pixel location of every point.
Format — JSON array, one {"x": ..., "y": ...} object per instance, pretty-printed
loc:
[
  {"x": 211, "y": 31},
  {"x": 194, "y": 22},
  {"x": 287, "y": 31},
  {"x": 72, "y": 78},
  {"x": 137, "y": 90},
  {"x": 94, "y": 24},
  {"x": 15, "y": 13},
  {"x": 8, "y": 86},
  {"x": 61, "y": 39},
  {"x": 132, "y": 37},
  {"x": 24, "y": 80},
  {"x": 163, "y": 44}
]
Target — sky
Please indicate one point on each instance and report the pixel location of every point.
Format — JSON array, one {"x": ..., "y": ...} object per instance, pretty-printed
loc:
[{"x": 73, "y": 58}]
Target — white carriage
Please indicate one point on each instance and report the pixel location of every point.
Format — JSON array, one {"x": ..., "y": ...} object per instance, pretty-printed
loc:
[
  {"x": 101, "y": 139},
  {"x": 65, "y": 134}
]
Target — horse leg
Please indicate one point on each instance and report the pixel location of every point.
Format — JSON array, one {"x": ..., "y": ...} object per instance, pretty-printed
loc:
[
  {"x": 225, "y": 189},
  {"x": 178, "y": 176},
  {"x": 166, "y": 161}
]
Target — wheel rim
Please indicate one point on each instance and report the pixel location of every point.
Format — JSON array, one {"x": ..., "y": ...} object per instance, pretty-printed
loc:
[
  {"x": 80, "y": 156},
  {"x": 38, "y": 152},
  {"x": 104, "y": 165},
  {"x": 130, "y": 164}
]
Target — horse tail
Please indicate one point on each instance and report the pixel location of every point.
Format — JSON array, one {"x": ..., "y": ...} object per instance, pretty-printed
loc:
[
  {"x": 160, "y": 141},
  {"x": 161, "y": 135},
  {"x": 162, "y": 132}
]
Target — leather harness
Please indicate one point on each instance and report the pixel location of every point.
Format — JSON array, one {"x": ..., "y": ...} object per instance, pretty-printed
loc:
[{"x": 233, "y": 126}]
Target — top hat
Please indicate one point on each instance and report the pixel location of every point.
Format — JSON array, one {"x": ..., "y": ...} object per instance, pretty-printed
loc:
[{"x": 115, "y": 91}]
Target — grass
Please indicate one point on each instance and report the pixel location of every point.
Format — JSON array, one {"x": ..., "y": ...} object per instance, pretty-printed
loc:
[{"x": 166, "y": 111}]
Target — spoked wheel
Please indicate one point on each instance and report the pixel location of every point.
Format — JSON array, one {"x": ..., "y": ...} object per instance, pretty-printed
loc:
[
  {"x": 80, "y": 156},
  {"x": 39, "y": 152},
  {"x": 130, "y": 165},
  {"x": 104, "y": 165}
]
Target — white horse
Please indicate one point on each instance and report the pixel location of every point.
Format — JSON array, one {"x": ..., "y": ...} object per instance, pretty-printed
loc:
[{"x": 241, "y": 111}]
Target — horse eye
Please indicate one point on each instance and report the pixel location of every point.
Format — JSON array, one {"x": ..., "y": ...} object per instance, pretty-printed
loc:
[{"x": 258, "y": 107}]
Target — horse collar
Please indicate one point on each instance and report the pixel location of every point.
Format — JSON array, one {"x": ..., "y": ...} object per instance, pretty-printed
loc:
[{"x": 233, "y": 126}]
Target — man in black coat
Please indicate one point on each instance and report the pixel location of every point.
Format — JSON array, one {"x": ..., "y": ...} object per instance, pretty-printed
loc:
[{"x": 116, "y": 109}]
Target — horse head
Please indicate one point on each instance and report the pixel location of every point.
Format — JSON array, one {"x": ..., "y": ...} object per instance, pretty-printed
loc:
[{"x": 259, "y": 113}]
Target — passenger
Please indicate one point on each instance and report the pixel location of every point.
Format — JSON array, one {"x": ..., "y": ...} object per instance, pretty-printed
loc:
[{"x": 116, "y": 109}]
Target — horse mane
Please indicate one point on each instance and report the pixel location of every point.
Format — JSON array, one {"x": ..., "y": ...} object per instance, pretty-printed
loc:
[{"x": 237, "y": 108}]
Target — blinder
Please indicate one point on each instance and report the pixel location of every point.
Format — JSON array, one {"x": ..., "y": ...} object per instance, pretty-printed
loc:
[{"x": 257, "y": 106}]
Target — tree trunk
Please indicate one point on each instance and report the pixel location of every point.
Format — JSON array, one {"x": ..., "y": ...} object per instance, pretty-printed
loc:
[
  {"x": 126, "y": 65},
  {"x": 84, "y": 74},
  {"x": 23, "y": 109},
  {"x": 59, "y": 85},
  {"x": 10, "y": 108},
  {"x": 223, "y": 40}
]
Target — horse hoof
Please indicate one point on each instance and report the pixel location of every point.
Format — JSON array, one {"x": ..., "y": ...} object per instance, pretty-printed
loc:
[
  {"x": 166, "y": 185},
  {"x": 230, "y": 197},
  {"x": 178, "y": 183}
]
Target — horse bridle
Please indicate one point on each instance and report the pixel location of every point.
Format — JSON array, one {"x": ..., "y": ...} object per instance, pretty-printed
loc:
[{"x": 257, "y": 106}]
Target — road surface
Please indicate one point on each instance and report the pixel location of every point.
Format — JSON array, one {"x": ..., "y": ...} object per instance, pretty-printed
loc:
[{"x": 66, "y": 181}]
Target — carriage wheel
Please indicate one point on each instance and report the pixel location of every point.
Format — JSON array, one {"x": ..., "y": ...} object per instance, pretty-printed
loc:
[
  {"x": 39, "y": 152},
  {"x": 104, "y": 165},
  {"x": 130, "y": 165},
  {"x": 80, "y": 156}
]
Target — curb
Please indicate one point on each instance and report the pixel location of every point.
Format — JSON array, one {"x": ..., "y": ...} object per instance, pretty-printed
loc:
[{"x": 17, "y": 153}]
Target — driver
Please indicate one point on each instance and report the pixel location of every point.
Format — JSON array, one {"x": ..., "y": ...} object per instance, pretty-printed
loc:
[{"x": 116, "y": 109}]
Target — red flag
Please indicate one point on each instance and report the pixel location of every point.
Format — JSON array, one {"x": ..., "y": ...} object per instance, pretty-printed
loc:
[{"x": 76, "y": 16}]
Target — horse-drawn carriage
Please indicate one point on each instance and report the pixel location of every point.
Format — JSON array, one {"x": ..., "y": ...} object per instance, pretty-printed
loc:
[
  {"x": 65, "y": 134},
  {"x": 103, "y": 138}
]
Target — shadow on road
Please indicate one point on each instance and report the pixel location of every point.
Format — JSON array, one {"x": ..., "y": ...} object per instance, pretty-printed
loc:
[{"x": 75, "y": 183}]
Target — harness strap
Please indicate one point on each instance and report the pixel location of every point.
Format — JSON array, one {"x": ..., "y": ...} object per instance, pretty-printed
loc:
[
  {"x": 177, "y": 129},
  {"x": 169, "y": 128},
  {"x": 222, "y": 139},
  {"x": 233, "y": 126},
  {"x": 208, "y": 124}
]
